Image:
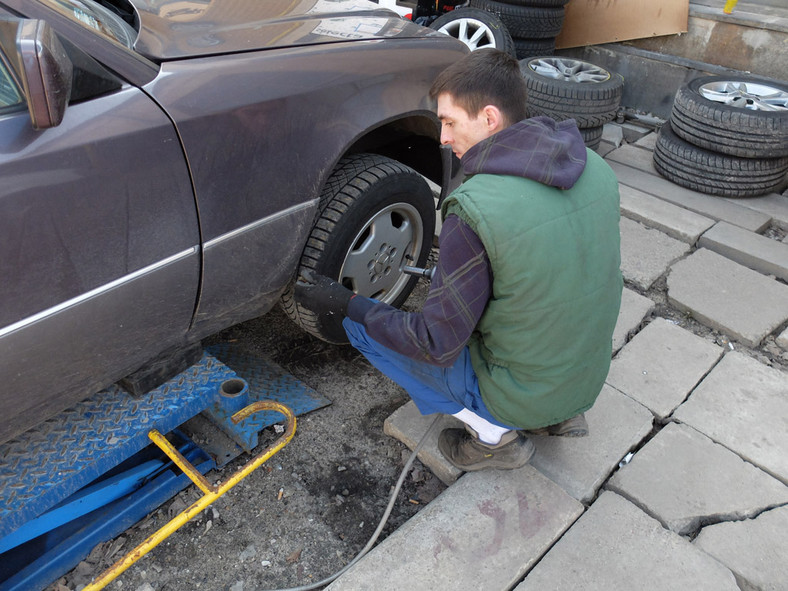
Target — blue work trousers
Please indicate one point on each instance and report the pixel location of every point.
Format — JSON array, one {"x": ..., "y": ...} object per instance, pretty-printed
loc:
[{"x": 433, "y": 389}]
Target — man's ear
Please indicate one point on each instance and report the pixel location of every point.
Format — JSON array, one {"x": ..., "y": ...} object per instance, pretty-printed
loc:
[{"x": 493, "y": 118}]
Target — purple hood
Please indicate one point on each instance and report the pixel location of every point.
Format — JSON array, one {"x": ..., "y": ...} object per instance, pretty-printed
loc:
[{"x": 539, "y": 148}]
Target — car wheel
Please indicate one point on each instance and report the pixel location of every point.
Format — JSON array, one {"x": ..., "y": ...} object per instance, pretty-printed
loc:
[
  {"x": 525, "y": 22},
  {"x": 742, "y": 116},
  {"x": 525, "y": 48},
  {"x": 706, "y": 171},
  {"x": 377, "y": 215},
  {"x": 592, "y": 136},
  {"x": 476, "y": 28},
  {"x": 553, "y": 3},
  {"x": 564, "y": 88}
]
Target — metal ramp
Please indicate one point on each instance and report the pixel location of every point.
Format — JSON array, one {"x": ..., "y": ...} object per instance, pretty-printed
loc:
[{"x": 89, "y": 473}]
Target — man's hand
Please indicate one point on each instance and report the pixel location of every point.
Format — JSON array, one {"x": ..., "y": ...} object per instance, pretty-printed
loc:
[{"x": 321, "y": 294}]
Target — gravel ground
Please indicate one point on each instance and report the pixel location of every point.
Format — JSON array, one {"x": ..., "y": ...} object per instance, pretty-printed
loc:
[{"x": 307, "y": 511}]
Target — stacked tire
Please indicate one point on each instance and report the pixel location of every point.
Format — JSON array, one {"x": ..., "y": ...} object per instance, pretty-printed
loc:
[
  {"x": 726, "y": 136},
  {"x": 565, "y": 88},
  {"x": 533, "y": 24}
]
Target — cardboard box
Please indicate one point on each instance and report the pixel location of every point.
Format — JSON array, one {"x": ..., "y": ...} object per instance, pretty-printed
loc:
[{"x": 591, "y": 22}]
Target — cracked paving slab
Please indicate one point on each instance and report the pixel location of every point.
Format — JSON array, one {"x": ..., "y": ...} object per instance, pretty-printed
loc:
[
  {"x": 685, "y": 480},
  {"x": 754, "y": 549},
  {"x": 615, "y": 545}
]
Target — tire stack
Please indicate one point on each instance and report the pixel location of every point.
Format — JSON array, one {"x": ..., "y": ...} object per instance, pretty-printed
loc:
[
  {"x": 533, "y": 24},
  {"x": 566, "y": 88},
  {"x": 726, "y": 136}
]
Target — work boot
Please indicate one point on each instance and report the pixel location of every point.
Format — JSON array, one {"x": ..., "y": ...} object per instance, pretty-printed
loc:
[
  {"x": 574, "y": 427},
  {"x": 464, "y": 450}
]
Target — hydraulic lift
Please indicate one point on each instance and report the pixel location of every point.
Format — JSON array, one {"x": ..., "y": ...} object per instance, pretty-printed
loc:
[{"x": 90, "y": 473}]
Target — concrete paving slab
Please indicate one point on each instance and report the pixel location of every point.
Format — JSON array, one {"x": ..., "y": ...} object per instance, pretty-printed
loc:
[
  {"x": 773, "y": 205},
  {"x": 755, "y": 550},
  {"x": 634, "y": 308},
  {"x": 684, "y": 479},
  {"x": 743, "y": 404},
  {"x": 653, "y": 212},
  {"x": 635, "y": 157},
  {"x": 661, "y": 365},
  {"x": 633, "y": 132},
  {"x": 646, "y": 254},
  {"x": 752, "y": 250},
  {"x": 484, "y": 532},
  {"x": 647, "y": 142},
  {"x": 614, "y": 545},
  {"x": 729, "y": 297},
  {"x": 409, "y": 426},
  {"x": 617, "y": 424},
  {"x": 782, "y": 339},
  {"x": 713, "y": 207},
  {"x": 613, "y": 134}
]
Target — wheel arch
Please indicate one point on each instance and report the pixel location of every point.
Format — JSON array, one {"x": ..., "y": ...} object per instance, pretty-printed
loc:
[{"x": 413, "y": 140}]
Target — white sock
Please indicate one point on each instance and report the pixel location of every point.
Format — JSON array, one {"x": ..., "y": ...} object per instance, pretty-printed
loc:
[{"x": 488, "y": 433}]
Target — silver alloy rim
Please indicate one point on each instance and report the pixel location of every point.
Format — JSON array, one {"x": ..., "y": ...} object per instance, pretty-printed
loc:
[
  {"x": 373, "y": 264},
  {"x": 745, "y": 95},
  {"x": 474, "y": 33},
  {"x": 569, "y": 70}
]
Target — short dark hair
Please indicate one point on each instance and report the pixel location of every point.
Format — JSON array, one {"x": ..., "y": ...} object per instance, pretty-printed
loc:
[{"x": 485, "y": 77}]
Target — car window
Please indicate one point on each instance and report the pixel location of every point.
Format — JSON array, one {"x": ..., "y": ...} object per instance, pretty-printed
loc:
[
  {"x": 10, "y": 96},
  {"x": 96, "y": 17}
]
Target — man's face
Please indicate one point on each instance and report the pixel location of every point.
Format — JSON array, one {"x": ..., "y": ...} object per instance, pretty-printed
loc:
[{"x": 458, "y": 128}]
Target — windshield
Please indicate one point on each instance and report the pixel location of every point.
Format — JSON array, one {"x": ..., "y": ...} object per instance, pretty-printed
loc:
[{"x": 98, "y": 18}]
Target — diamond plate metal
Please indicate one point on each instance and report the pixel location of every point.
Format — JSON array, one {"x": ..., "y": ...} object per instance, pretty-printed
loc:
[
  {"x": 267, "y": 381},
  {"x": 46, "y": 464}
]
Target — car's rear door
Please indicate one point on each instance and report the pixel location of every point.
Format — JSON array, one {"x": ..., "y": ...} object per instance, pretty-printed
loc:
[{"x": 99, "y": 242}]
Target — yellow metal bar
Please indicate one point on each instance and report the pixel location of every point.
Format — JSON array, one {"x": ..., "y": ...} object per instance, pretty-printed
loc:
[{"x": 211, "y": 493}]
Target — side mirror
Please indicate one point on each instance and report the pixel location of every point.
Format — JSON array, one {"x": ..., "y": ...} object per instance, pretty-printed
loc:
[{"x": 40, "y": 63}]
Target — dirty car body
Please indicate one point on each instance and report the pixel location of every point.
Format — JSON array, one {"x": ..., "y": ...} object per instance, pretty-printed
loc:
[{"x": 161, "y": 181}]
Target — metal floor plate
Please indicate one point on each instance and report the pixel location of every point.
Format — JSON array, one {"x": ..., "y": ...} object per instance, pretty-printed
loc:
[{"x": 49, "y": 462}]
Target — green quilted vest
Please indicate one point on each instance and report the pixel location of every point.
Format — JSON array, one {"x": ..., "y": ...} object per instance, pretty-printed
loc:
[{"x": 542, "y": 348}]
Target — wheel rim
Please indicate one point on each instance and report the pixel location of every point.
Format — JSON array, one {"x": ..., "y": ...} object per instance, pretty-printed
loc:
[
  {"x": 373, "y": 264},
  {"x": 569, "y": 70},
  {"x": 746, "y": 95},
  {"x": 474, "y": 33}
]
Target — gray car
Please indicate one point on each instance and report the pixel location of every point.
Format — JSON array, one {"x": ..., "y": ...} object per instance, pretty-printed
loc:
[{"x": 167, "y": 166}]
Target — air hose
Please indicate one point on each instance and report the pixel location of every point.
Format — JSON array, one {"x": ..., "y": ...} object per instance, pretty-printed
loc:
[{"x": 383, "y": 520}]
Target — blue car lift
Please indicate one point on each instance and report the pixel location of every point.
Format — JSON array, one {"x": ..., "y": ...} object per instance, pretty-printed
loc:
[{"x": 88, "y": 474}]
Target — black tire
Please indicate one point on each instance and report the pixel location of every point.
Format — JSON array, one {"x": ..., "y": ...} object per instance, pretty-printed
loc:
[
  {"x": 525, "y": 21},
  {"x": 565, "y": 88},
  {"x": 592, "y": 136},
  {"x": 476, "y": 28},
  {"x": 525, "y": 48},
  {"x": 711, "y": 172},
  {"x": 374, "y": 212},
  {"x": 553, "y": 3},
  {"x": 729, "y": 115}
]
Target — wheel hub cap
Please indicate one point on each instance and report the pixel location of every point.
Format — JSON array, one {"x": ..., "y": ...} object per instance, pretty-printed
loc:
[{"x": 746, "y": 95}]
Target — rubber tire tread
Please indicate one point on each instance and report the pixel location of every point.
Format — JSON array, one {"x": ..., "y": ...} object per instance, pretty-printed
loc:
[
  {"x": 353, "y": 176},
  {"x": 590, "y": 104},
  {"x": 718, "y": 174},
  {"x": 527, "y": 48},
  {"x": 525, "y": 21},
  {"x": 592, "y": 136},
  {"x": 491, "y": 20},
  {"x": 537, "y": 3},
  {"x": 726, "y": 129}
]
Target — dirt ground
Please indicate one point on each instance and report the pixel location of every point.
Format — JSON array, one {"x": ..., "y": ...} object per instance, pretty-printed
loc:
[{"x": 305, "y": 513}]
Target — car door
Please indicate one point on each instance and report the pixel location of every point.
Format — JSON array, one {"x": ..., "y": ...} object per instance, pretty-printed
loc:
[{"x": 99, "y": 240}]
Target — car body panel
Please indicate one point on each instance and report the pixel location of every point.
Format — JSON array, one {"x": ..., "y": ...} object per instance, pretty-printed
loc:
[
  {"x": 177, "y": 201},
  {"x": 174, "y": 29},
  {"x": 76, "y": 218}
]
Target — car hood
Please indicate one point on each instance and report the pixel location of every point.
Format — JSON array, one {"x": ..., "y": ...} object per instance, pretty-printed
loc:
[{"x": 177, "y": 29}]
